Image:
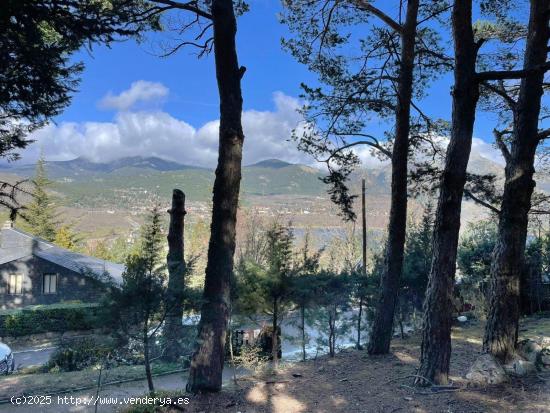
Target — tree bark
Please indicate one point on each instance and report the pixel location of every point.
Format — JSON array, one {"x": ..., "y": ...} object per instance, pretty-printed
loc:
[
  {"x": 332, "y": 331},
  {"x": 205, "y": 374},
  {"x": 358, "y": 345},
  {"x": 382, "y": 328},
  {"x": 501, "y": 331},
  {"x": 146, "y": 357},
  {"x": 303, "y": 328},
  {"x": 274, "y": 338},
  {"x": 175, "y": 260},
  {"x": 436, "y": 335}
]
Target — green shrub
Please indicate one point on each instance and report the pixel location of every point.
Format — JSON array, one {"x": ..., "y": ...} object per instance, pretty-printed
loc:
[
  {"x": 49, "y": 318},
  {"x": 78, "y": 354}
]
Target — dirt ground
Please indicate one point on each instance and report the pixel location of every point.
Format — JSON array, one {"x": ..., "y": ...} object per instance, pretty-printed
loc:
[
  {"x": 356, "y": 382},
  {"x": 52, "y": 383}
]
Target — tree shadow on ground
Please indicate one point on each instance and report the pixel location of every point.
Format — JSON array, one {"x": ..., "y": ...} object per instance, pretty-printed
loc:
[{"x": 353, "y": 382}]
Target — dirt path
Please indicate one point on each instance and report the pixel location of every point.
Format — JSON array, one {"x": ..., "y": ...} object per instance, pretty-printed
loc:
[
  {"x": 112, "y": 398},
  {"x": 81, "y": 399}
]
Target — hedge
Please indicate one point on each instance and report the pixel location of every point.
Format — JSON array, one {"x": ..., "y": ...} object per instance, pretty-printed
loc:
[{"x": 49, "y": 318}]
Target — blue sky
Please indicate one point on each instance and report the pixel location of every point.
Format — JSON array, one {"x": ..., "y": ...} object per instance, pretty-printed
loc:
[
  {"x": 192, "y": 81},
  {"x": 190, "y": 104}
]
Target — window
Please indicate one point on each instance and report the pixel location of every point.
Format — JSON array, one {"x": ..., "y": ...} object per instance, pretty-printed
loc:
[
  {"x": 15, "y": 285},
  {"x": 49, "y": 284}
]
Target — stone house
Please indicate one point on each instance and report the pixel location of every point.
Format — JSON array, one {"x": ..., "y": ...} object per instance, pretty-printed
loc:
[{"x": 34, "y": 271}]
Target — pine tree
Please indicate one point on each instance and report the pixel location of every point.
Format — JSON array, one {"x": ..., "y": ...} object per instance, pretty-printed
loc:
[
  {"x": 397, "y": 62},
  {"x": 40, "y": 214},
  {"x": 38, "y": 71},
  {"x": 470, "y": 71},
  {"x": 416, "y": 267},
  {"x": 332, "y": 299},
  {"x": 37, "y": 74},
  {"x": 205, "y": 373},
  {"x": 267, "y": 287},
  {"x": 418, "y": 254},
  {"x": 302, "y": 293},
  {"x": 138, "y": 305},
  {"x": 151, "y": 240},
  {"x": 507, "y": 284},
  {"x": 475, "y": 253}
]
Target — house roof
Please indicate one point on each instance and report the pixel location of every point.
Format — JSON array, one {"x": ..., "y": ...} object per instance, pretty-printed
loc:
[{"x": 16, "y": 244}]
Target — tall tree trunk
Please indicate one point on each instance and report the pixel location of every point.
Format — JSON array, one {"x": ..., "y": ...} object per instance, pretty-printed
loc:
[
  {"x": 436, "y": 337},
  {"x": 303, "y": 328},
  {"x": 274, "y": 337},
  {"x": 382, "y": 328},
  {"x": 205, "y": 374},
  {"x": 147, "y": 359},
  {"x": 332, "y": 333},
  {"x": 175, "y": 260},
  {"x": 501, "y": 331},
  {"x": 358, "y": 345}
]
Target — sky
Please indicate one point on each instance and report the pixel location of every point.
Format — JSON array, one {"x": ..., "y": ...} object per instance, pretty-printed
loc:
[{"x": 132, "y": 102}]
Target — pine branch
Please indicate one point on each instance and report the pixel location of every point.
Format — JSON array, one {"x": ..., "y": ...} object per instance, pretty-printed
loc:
[
  {"x": 544, "y": 133},
  {"x": 481, "y": 202},
  {"x": 511, "y": 74},
  {"x": 366, "y": 6},
  {"x": 373, "y": 143},
  {"x": 189, "y": 6},
  {"x": 502, "y": 145},
  {"x": 501, "y": 91}
]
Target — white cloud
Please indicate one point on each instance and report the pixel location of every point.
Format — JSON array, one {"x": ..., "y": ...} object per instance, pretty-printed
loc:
[
  {"x": 141, "y": 91},
  {"x": 369, "y": 159},
  {"x": 135, "y": 132},
  {"x": 157, "y": 133}
]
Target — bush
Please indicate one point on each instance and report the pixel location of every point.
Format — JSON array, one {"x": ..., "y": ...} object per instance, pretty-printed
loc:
[
  {"x": 251, "y": 358},
  {"x": 49, "y": 318},
  {"x": 78, "y": 354}
]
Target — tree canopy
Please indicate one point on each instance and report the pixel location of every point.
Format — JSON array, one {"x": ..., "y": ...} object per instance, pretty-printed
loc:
[{"x": 37, "y": 41}]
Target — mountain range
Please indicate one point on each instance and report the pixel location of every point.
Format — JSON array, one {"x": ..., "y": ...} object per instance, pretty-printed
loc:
[
  {"x": 123, "y": 182},
  {"x": 85, "y": 183}
]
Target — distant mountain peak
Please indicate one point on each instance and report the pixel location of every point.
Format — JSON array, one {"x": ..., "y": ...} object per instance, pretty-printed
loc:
[
  {"x": 149, "y": 162},
  {"x": 271, "y": 163}
]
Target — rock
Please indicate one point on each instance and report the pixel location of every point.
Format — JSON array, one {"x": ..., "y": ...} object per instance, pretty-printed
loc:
[
  {"x": 486, "y": 370},
  {"x": 529, "y": 350},
  {"x": 520, "y": 367},
  {"x": 409, "y": 399},
  {"x": 545, "y": 341},
  {"x": 462, "y": 318}
]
